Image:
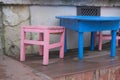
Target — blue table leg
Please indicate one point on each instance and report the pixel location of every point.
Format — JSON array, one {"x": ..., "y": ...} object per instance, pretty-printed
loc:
[
  {"x": 80, "y": 45},
  {"x": 92, "y": 40},
  {"x": 65, "y": 43},
  {"x": 113, "y": 44}
]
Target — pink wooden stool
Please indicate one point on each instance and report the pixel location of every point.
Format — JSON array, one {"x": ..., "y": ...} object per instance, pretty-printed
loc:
[
  {"x": 102, "y": 37},
  {"x": 43, "y": 41}
]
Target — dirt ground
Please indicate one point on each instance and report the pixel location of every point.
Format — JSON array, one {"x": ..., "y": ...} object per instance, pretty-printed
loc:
[{"x": 14, "y": 70}]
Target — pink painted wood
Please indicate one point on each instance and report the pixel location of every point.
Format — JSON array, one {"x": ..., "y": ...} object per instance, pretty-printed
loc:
[
  {"x": 43, "y": 41},
  {"x": 41, "y": 47},
  {"x": 102, "y": 37}
]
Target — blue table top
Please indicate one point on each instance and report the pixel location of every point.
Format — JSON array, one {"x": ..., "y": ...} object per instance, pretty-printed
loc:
[{"x": 91, "y": 18}]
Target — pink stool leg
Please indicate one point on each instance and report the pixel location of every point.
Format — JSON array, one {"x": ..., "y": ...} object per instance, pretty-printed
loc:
[
  {"x": 61, "y": 55},
  {"x": 118, "y": 38},
  {"x": 22, "y": 46},
  {"x": 117, "y": 42},
  {"x": 41, "y": 47},
  {"x": 100, "y": 41},
  {"x": 46, "y": 48}
]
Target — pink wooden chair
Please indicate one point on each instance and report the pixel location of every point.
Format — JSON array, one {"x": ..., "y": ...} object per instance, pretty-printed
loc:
[
  {"x": 43, "y": 41},
  {"x": 102, "y": 37}
]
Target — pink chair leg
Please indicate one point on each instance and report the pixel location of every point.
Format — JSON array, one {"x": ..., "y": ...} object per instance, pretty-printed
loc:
[
  {"x": 22, "y": 46},
  {"x": 61, "y": 55},
  {"x": 117, "y": 42},
  {"x": 117, "y": 38},
  {"x": 100, "y": 41},
  {"x": 41, "y": 47},
  {"x": 46, "y": 48}
]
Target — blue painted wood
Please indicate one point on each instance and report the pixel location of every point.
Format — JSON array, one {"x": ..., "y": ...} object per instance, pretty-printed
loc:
[
  {"x": 90, "y": 18},
  {"x": 65, "y": 43},
  {"x": 70, "y": 24},
  {"x": 113, "y": 45},
  {"x": 80, "y": 44},
  {"x": 83, "y": 24},
  {"x": 88, "y": 26},
  {"x": 102, "y": 25},
  {"x": 92, "y": 41}
]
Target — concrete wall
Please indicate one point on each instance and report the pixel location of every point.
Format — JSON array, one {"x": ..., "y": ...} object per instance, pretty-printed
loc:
[
  {"x": 45, "y": 15},
  {"x": 110, "y": 11},
  {"x": 1, "y": 31},
  {"x": 15, "y": 16},
  {"x": 65, "y": 2}
]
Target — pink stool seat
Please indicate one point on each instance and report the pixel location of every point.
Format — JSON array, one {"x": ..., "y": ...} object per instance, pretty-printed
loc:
[{"x": 43, "y": 41}]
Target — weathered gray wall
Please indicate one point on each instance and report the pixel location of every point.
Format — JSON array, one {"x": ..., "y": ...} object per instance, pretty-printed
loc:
[
  {"x": 65, "y": 2},
  {"x": 1, "y": 31},
  {"x": 13, "y": 18},
  {"x": 46, "y": 15}
]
